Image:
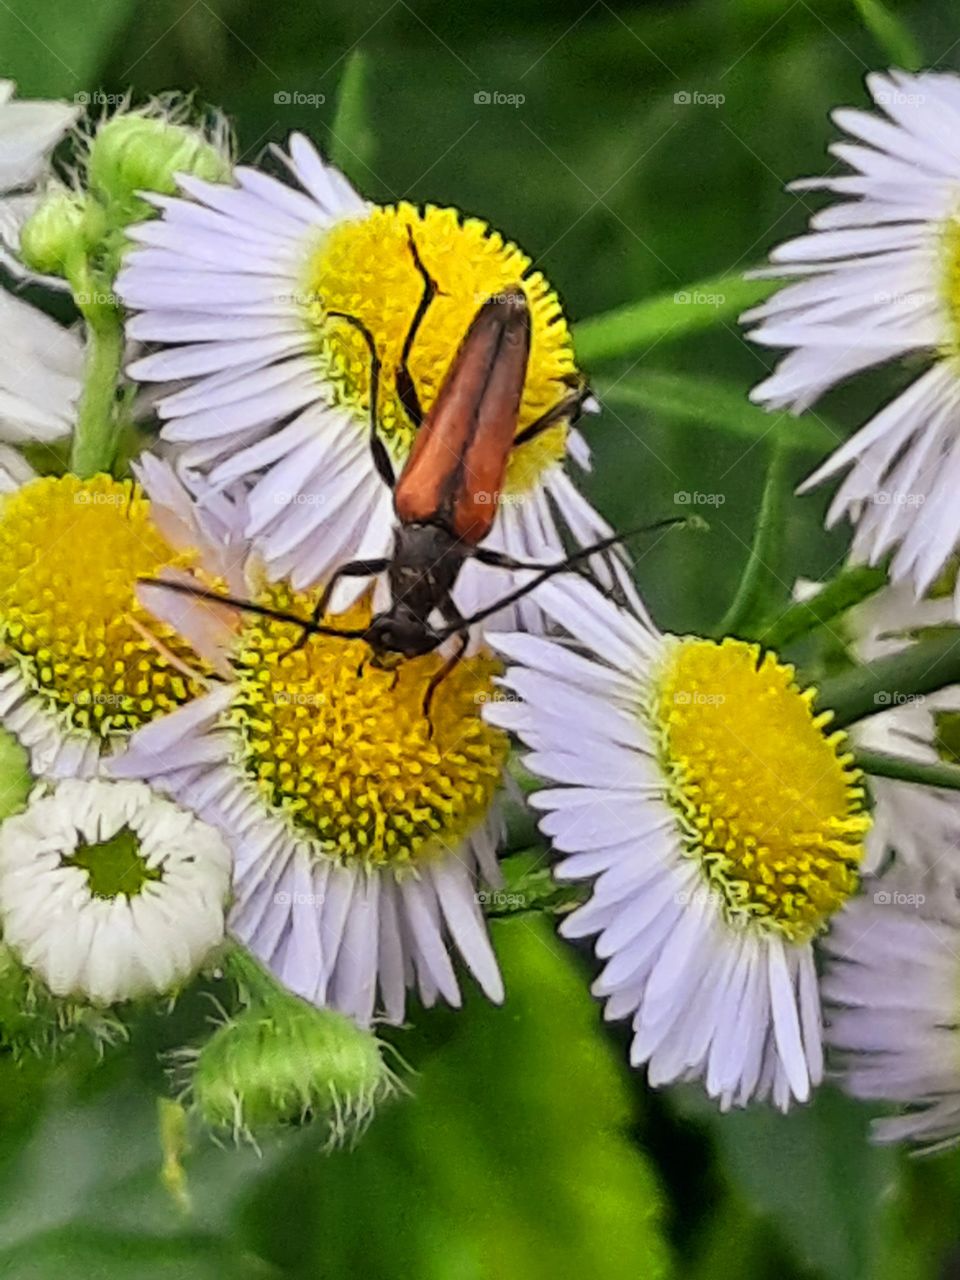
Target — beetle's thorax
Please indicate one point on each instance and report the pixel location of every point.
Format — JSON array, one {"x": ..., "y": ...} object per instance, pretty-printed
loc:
[{"x": 426, "y": 561}]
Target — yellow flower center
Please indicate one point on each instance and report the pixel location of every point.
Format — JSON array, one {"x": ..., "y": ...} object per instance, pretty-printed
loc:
[
  {"x": 341, "y": 749},
  {"x": 365, "y": 268},
  {"x": 71, "y": 551},
  {"x": 950, "y": 249},
  {"x": 770, "y": 803}
]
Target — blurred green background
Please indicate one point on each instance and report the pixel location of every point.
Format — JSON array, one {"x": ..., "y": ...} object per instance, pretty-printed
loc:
[{"x": 528, "y": 1149}]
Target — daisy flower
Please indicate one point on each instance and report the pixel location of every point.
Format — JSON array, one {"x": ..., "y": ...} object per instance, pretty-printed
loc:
[
  {"x": 720, "y": 822},
  {"x": 109, "y": 892},
  {"x": 920, "y": 825},
  {"x": 41, "y": 365},
  {"x": 892, "y": 994},
  {"x": 84, "y": 663},
  {"x": 244, "y": 289},
  {"x": 878, "y": 278},
  {"x": 358, "y": 827}
]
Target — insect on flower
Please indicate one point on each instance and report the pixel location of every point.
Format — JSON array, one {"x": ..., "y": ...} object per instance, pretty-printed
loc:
[{"x": 445, "y": 498}]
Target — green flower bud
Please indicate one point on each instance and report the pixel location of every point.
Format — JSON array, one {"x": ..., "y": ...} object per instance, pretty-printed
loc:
[
  {"x": 16, "y": 780},
  {"x": 283, "y": 1062},
  {"x": 134, "y": 152},
  {"x": 65, "y": 225}
]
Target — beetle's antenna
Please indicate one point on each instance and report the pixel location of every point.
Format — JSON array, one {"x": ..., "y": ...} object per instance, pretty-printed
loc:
[
  {"x": 585, "y": 553},
  {"x": 261, "y": 610}
]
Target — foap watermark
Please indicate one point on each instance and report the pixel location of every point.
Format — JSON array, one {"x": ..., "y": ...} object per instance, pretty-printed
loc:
[
  {"x": 898, "y": 498},
  {"x": 496, "y": 695},
  {"x": 698, "y": 298},
  {"x": 495, "y": 497},
  {"x": 894, "y": 698},
  {"x": 501, "y": 900},
  {"x": 694, "y": 498},
  {"x": 699, "y": 897},
  {"x": 893, "y": 898},
  {"x": 99, "y": 99},
  {"x": 897, "y": 98},
  {"x": 98, "y": 298},
  {"x": 299, "y": 499},
  {"x": 698, "y": 698},
  {"x": 296, "y": 98},
  {"x": 286, "y": 698},
  {"x": 494, "y": 98},
  {"x": 298, "y": 899},
  {"x": 87, "y": 499},
  {"x": 697, "y": 98}
]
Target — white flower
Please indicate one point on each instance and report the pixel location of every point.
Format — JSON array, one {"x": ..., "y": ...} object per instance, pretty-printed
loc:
[
  {"x": 920, "y": 825},
  {"x": 892, "y": 991},
  {"x": 720, "y": 822},
  {"x": 879, "y": 278},
  {"x": 359, "y": 829},
  {"x": 110, "y": 892},
  {"x": 245, "y": 289},
  {"x": 41, "y": 364},
  {"x": 28, "y": 133}
]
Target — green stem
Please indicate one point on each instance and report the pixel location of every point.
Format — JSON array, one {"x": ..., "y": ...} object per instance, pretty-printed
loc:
[
  {"x": 257, "y": 984},
  {"x": 882, "y": 765},
  {"x": 847, "y": 589},
  {"x": 903, "y": 677},
  {"x": 95, "y": 437},
  {"x": 761, "y": 576}
]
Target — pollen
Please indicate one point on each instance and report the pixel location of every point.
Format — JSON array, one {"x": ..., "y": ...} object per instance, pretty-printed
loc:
[
  {"x": 365, "y": 268},
  {"x": 342, "y": 751},
  {"x": 71, "y": 551},
  {"x": 767, "y": 797}
]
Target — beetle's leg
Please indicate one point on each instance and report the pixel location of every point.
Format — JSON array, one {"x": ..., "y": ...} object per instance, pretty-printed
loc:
[
  {"x": 500, "y": 560},
  {"x": 437, "y": 679},
  {"x": 569, "y": 406},
  {"x": 406, "y": 388},
  {"x": 352, "y": 569},
  {"x": 381, "y": 458}
]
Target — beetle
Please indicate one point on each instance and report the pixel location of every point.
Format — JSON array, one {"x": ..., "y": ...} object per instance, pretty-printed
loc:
[{"x": 445, "y": 497}]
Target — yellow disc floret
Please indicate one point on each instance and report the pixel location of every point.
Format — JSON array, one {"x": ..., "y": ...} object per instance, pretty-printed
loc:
[
  {"x": 341, "y": 749},
  {"x": 769, "y": 800},
  {"x": 71, "y": 552},
  {"x": 950, "y": 249},
  {"x": 366, "y": 269}
]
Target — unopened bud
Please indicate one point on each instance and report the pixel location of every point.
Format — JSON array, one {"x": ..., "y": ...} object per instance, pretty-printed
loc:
[
  {"x": 135, "y": 152},
  {"x": 64, "y": 225},
  {"x": 286, "y": 1062}
]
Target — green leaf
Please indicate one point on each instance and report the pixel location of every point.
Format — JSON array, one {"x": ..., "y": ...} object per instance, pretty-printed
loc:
[
  {"x": 712, "y": 403},
  {"x": 513, "y": 1158},
  {"x": 630, "y": 330},
  {"x": 814, "y": 1173},
  {"x": 763, "y": 577},
  {"x": 353, "y": 144},
  {"x": 891, "y": 35},
  {"x": 53, "y": 50}
]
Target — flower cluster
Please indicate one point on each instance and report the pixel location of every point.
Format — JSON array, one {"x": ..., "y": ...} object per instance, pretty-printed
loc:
[{"x": 258, "y": 684}]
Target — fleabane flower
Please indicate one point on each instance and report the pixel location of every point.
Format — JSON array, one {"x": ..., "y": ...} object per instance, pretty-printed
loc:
[
  {"x": 41, "y": 366},
  {"x": 918, "y": 825},
  {"x": 720, "y": 822},
  {"x": 245, "y": 288},
  {"x": 358, "y": 825},
  {"x": 84, "y": 663},
  {"x": 879, "y": 279},
  {"x": 109, "y": 892},
  {"x": 891, "y": 989}
]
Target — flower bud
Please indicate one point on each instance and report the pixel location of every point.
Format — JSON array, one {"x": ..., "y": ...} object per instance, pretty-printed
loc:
[
  {"x": 65, "y": 225},
  {"x": 285, "y": 1062},
  {"x": 135, "y": 152}
]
